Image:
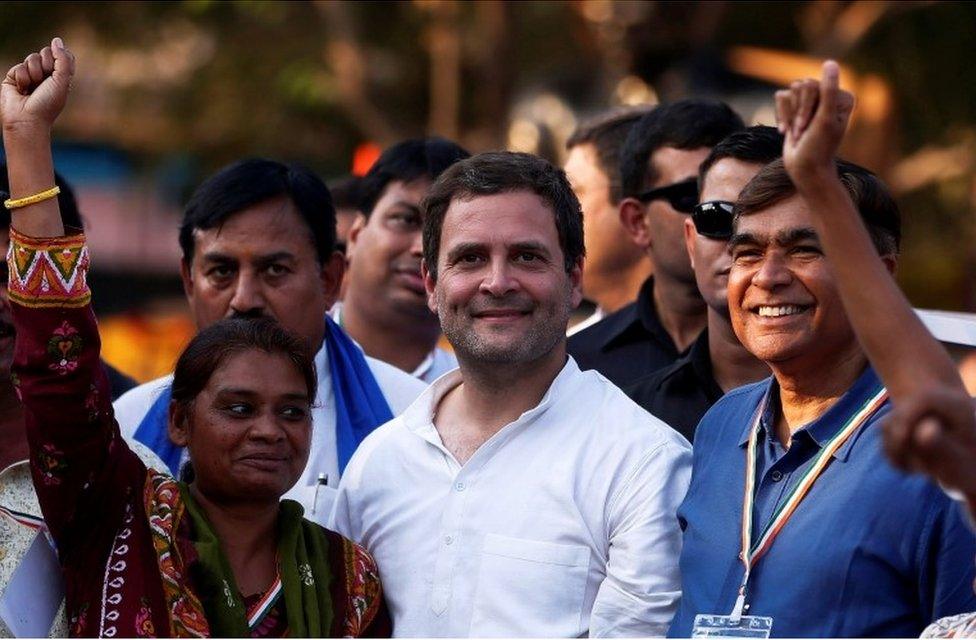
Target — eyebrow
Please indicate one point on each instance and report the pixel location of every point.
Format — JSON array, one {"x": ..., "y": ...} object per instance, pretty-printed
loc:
[
  {"x": 784, "y": 238},
  {"x": 530, "y": 246},
  {"x": 250, "y": 393},
  {"x": 464, "y": 247},
  {"x": 467, "y": 247},
  {"x": 406, "y": 205},
  {"x": 216, "y": 256}
]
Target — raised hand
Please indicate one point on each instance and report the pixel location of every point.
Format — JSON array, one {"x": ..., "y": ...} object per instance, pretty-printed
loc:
[
  {"x": 34, "y": 92},
  {"x": 813, "y": 115}
]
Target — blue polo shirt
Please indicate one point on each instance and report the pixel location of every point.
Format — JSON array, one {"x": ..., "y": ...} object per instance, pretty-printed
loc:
[{"x": 870, "y": 551}]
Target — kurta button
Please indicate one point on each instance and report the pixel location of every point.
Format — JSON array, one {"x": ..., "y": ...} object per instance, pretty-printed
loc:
[
  {"x": 448, "y": 539},
  {"x": 459, "y": 486},
  {"x": 776, "y": 476}
]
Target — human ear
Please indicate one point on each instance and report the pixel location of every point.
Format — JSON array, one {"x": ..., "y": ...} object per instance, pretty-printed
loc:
[
  {"x": 352, "y": 238},
  {"x": 331, "y": 275},
  {"x": 634, "y": 221},
  {"x": 690, "y": 234},
  {"x": 178, "y": 424},
  {"x": 186, "y": 275},
  {"x": 429, "y": 284}
]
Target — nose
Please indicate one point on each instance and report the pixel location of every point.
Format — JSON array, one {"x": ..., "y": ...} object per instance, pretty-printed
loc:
[
  {"x": 417, "y": 245},
  {"x": 266, "y": 429},
  {"x": 499, "y": 281},
  {"x": 772, "y": 273},
  {"x": 248, "y": 299}
]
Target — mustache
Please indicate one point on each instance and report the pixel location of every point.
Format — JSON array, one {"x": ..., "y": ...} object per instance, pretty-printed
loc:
[
  {"x": 252, "y": 314},
  {"x": 515, "y": 303}
]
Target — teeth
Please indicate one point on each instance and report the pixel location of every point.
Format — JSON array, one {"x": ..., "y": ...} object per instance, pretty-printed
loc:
[{"x": 776, "y": 312}]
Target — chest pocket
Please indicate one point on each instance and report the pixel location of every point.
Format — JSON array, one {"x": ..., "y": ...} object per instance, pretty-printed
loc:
[{"x": 529, "y": 588}]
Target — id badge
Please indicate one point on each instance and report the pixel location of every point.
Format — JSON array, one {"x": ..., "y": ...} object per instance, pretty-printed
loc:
[{"x": 716, "y": 626}]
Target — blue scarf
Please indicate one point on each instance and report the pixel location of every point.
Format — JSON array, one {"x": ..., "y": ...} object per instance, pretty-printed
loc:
[{"x": 359, "y": 403}]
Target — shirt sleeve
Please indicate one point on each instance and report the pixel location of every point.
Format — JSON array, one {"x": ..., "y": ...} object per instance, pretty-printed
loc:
[
  {"x": 83, "y": 472},
  {"x": 640, "y": 593},
  {"x": 344, "y": 518}
]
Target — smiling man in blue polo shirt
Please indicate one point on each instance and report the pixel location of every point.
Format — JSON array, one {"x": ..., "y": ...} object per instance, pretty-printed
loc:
[{"x": 835, "y": 542}]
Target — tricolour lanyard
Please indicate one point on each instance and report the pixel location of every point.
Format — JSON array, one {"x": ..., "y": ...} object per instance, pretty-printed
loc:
[
  {"x": 260, "y": 610},
  {"x": 25, "y": 519},
  {"x": 752, "y": 552}
]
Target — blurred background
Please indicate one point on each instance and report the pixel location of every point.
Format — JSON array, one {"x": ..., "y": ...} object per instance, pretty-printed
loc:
[{"x": 167, "y": 92}]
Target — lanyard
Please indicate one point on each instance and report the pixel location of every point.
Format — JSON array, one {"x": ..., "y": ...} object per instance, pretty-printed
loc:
[
  {"x": 264, "y": 605},
  {"x": 752, "y": 552},
  {"x": 25, "y": 519}
]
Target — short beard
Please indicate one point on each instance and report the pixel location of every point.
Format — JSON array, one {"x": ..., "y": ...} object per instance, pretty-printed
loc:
[{"x": 539, "y": 341}]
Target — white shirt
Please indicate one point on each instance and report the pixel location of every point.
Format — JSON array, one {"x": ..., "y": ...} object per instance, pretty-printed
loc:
[
  {"x": 562, "y": 524},
  {"x": 399, "y": 389}
]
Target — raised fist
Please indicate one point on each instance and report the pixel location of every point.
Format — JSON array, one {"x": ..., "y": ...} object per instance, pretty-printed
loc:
[
  {"x": 813, "y": 116},
  {"x": 34, "y": 92}
]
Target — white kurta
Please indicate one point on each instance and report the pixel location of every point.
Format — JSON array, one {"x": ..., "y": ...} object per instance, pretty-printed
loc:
[
  {"x": 562, "y": 524},
  {"x": 399, "y": 389}
]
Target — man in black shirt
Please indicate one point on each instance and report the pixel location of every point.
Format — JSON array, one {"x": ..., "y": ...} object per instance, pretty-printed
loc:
[
  {"x": 659, "y": 169},
  {"x": 681, "y": 393}
]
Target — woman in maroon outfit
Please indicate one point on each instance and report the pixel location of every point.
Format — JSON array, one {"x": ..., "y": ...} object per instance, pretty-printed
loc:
[{"x": 143, "y": 554}]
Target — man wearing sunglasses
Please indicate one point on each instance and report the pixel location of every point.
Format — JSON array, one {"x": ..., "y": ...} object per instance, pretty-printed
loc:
[
  {"x": 717, "y": 362},
  {"x": 659, "y": 170}
]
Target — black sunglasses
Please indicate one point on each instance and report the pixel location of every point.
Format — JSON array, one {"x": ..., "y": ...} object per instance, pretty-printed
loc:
[
  {"x": 713, "y": 219},
  {"x": 682, "y": 196}
]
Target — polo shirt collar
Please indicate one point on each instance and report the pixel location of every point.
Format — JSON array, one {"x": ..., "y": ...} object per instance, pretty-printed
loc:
[{"x": 821, "y": 430}]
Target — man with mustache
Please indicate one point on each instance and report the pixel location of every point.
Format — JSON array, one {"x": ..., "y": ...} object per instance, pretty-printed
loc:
[
  {"x": 795, "y": 524},
  {"x": 258, "y": 240},
  {"x": 385, "y": 308},
  {"x": 518, "y": 496}
]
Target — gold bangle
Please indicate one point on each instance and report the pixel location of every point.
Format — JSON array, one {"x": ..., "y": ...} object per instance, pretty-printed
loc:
[{"x": 34, "y": 199}]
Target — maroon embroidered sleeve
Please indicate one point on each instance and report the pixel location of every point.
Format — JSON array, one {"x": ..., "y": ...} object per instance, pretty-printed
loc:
[{"x": 83, "y": 471}]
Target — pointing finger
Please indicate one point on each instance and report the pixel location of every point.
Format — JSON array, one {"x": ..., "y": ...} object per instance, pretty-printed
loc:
[{"x": 829, "y": 87}]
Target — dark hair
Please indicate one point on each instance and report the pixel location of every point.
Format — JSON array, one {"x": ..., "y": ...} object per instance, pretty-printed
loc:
[
  {"x": 70, "y": 216},
  {"x": 504, "y": 172},
  {"x": 345, "y": 193},
  {"x": 686, "y": 124},
  {"x": 607, "y": 133},
  {"x": 870, "y": 195},
  {"x": 760, "y": 144},
  {"x": 212, "y": 346},
  {"x": 249, "y": 182},
  {"x": 405, "y": 162}
]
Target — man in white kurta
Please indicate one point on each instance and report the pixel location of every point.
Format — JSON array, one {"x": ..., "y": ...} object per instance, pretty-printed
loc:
[{"x": 518, "y": 496}]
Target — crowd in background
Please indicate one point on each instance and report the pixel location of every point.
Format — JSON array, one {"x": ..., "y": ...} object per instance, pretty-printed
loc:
[{"x": 753, "y": 435}]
